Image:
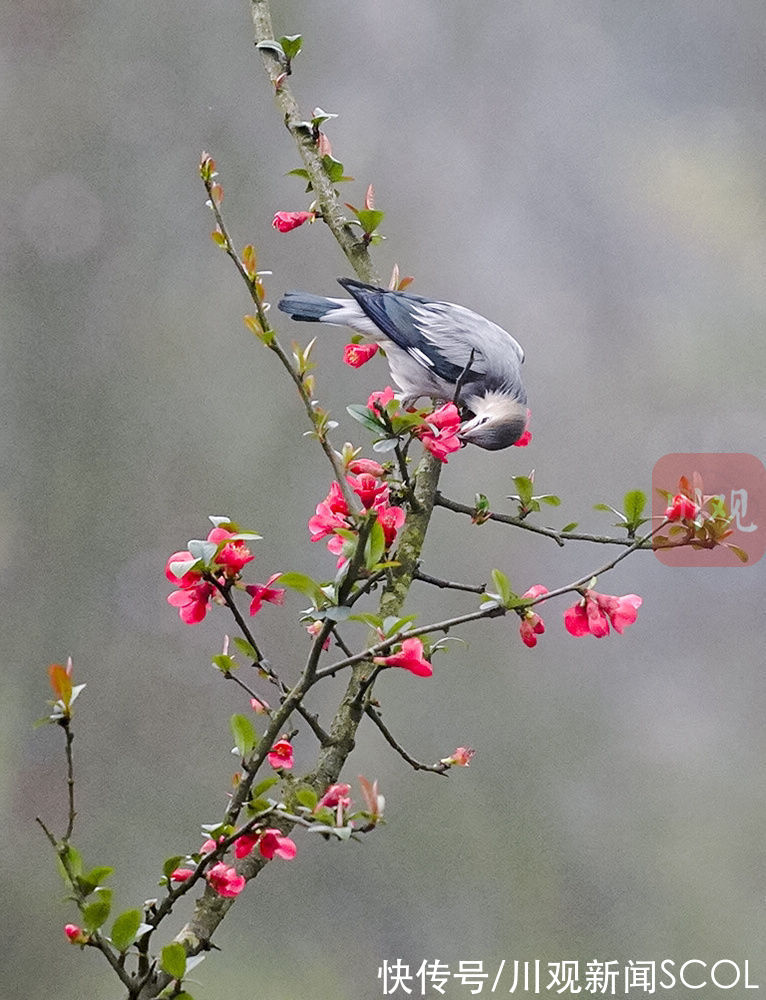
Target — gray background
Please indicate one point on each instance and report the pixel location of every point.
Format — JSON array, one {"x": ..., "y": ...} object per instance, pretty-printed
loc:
[{"x": 588, "y": 174}]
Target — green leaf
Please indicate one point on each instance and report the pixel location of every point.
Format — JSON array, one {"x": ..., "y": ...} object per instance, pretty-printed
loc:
[
  {"x": 524, "y": 485},
  {"x": 265, "y": 785},
  {"x": 245, "y": 648},
  {"x": 370, "y": 219},
  {"x": 634, "y": 504},
  {"x": 92, "y": 879},
  {"x": 244, "y": 734},
  {"x": 173, "y": 960},
  {"x": 391, "y": 625},
  {"x": 125, "y": 928},
  {"x": 304, "y": 585},
  {"x": 365, "y": 417},
  {"x": 69, "y": 858},
  {"x": 550, "y": 499},
  {"x": 376, "y": 545},
  {"x": 291, "y": 45},
  {"x": 333, "y": 168},
  {"x": 502, "y": 584},
  {"x": 97, "y": 913},
  {"x": 569, "y": 527},
  {"x": 172, "y": 863},
  {"x": 306, "y": 796},
  {"x": 225, "y": 663}
]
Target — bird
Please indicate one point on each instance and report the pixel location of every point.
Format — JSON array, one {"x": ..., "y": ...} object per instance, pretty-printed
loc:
[{"x": 435, "y": 349}]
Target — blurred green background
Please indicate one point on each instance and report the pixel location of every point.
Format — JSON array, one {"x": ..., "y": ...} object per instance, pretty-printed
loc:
[{"x": 587, "y": 173}]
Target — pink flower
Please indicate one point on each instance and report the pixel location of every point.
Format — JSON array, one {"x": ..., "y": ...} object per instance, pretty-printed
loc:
[
  {"x": 259, "y": 706},
  {"x": 181, "y": 874},
  {"x": 370, "y": 491},
  {"x": 682, "y": 508},
  {"x": 410, "y": 657},
  {"x": 391, "y": 520},
  {"x": 439, "y": 432},
  {"x": 225, "y": 880},
  {"x": 461, "y": 757},
  {"x": 76, "y": 934},
  {"x": 210, "y": 845},
  {"x": 243, "y": 845},
  {"x": 190, "y": 577},
  {"x": 526, "y": 437},
  {"x": 380, "y": 399},
  {"x": 281, "y": 755},
  {"x": 357, "y": 355},
  {"x": 234, "y": 555},
  {"x": 594, "y": 612},
  {"x": 334, "y": 795},
  {"x": 285, "y": 221},
  {"x": 361, "y": 465},
  {"x": 272, "y": 844},
  {"x": 532, "y": 624},
  {"x": 192, "y": 602},
  {"x": 373, "y": 800},
  {"x": 331, "y": 513},
  {"x": 314, "y": 628},
  {"x": 259, "y": 594}
]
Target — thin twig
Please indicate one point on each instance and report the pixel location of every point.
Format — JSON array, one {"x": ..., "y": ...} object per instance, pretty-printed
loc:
[
  {"x": 436, "y": 581},
  {"x": 560, "y": 537},
  {"x": 374, "y": 714}
]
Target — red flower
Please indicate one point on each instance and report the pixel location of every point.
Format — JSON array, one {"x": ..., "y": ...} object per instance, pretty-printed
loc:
[
  {"x": 410, "y": 657},
  {"x": 273, "y": 844},
  {"x": 225, "y": 880},
  {"x": 181, "y": 874},
  {"x": 380, "y": 399},
  {"x": 259, "y": 594},
  {"x": 331, "y": 513},
  {"x": 532, "y": 624},
  {"x": 682, "y": 508},
  {"x": 191, "y": 576},
  {"x": 391, "y": 520},
  {"x": 439, "y": 431},
  {"x": 281, "y": 755},
  {"x": 192, "y": 602},
  {"x": 243, "y": 845},
  {"x": 285, "y": 221},
  {"x": 334, "y": 795},
  {"x": 76, "y": 934},
  {"x": 361, "y": 465},
  {"x": 370, "y": 491},
  {"x": 526, "y": 437},
  {"x": 594, "y": 612},
  {"x": 357, "y": 355}
]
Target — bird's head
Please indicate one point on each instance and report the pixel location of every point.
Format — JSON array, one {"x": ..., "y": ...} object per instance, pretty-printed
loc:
[{"x": 498, "y": 421}]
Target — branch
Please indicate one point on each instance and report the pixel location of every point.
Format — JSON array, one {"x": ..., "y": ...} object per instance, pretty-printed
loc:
[
  {"x": 436, "y": 581},
  {"x": 352, "y": 246},
  {"x": 558, "y": 536},
  {"x": 375, "y": 715}
]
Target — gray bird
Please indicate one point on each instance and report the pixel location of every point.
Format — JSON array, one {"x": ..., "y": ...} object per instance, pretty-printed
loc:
[{"x": 431, "y": 347}]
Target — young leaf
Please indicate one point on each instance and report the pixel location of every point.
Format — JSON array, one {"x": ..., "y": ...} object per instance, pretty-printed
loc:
[
  {"x": 376, "y": 545},
  {"x": 306, "y": 796},
  {"x": 171, "y": 864},
  {"x": 225, "y": 663},
  {"x": 97, "y": 913},
  {"x": 125, "y": 929},
  {"x": 61, "y": 683},
  {"x": 634, "y": 504},
  {"x": 173, "y": 960},
  {"x": 363, "y": 415},
  {"x": 304, "y": 585},
  {"x": 502, "y": 584},
  {"x": 370, "y": 219},
  {"x": 245, "y": 648},
  {"x": 243, "y": 733},
  {"x": 524, "y": 486},
  {"x": 265, "y": 785},
  {"x": 91, "y": 880},
  {"x": 291, "y": 45}
]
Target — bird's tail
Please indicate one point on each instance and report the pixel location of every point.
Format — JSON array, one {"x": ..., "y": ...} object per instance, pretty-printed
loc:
[{"x": 307, "y": 307}]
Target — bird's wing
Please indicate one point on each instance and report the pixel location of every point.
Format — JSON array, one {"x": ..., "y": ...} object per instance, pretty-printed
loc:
[{"x": 441, "y": 336}]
